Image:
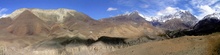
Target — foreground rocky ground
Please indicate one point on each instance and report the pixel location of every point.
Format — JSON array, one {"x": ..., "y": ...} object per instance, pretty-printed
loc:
[{"x": 187, "y": 45}]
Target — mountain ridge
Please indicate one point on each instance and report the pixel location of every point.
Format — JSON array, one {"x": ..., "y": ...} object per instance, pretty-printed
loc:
[
  {"x": 72, "y": 23},
  {"x": 67, "y": 32},
  {"x": 27, "y": 24}
]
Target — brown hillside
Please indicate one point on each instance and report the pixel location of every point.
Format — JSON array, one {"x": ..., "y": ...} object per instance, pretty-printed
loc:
[
  {"x": 128, "y": 25},
  {"x": 65, "y": 22},
  {"x": 27, "y": 24},
  {"x": 5, "y": 22},
  {"x": 174, "y": 24},
  {"x": 188, "y": 45}
]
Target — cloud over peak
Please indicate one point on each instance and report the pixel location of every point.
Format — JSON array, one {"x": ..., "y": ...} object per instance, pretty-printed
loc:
[
  {"x": 112, "y": 9},
  {"x": 205, "y": 7},
  {"x": 2, "y": 14},
  {"x": 168, "y": 10}
]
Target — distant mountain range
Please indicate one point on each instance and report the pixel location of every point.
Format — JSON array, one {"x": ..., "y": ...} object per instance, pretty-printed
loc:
[
  {"x": 176, "y": 21},
  {"x": 68, "y": 22},
  {"x": 63, "y": 29},
  {"x": 65, "y": 22},
  {"x": 209, "y": 24}
]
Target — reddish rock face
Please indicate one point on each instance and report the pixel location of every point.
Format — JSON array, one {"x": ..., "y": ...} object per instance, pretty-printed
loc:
[{"x": 27, "y": 24}]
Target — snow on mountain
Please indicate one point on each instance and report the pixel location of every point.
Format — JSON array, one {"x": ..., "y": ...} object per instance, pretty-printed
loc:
[
  {"x": 182, "y": 15},
  {"x": 214, "y": 15},
  {"x": 175, "y": 21},
  {"x": 56, "y": 14},
  {"x": 147, "y": 18},
  {"x": 3, "y": 15}
]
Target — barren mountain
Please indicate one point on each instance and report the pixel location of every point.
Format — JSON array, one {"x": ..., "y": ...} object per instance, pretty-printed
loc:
[
  {"x": 209, "y": 24},
  {"x": 129, "y": 25},
  {"x": 52, "y": 15},
  {"x": 133, "y": 16},
  {"x": 68, "y": 32},
  {"x": 60, "y": 31},
  {"x": 5, "y": 22},
  {"x": 72, "y": 23},
  {"x": 174, "y": 24},
  {"x": 27, "y": 23}
]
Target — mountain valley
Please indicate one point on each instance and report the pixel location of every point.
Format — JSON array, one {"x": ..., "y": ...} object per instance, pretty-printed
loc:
[{"x": 68, "y": 32}]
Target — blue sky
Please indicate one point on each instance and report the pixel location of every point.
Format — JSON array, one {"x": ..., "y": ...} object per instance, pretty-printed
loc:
[{"x": 106, "y": 8}]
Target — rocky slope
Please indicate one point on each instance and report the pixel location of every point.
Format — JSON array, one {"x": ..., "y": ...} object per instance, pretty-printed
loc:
[
  {"x": 68, "y": 32},
  {"x": 135, "y": 25},
  {"x": 72, "y": 23},
  {"x": 5, "y": 22},
  {"x": 188, "y": 45},
  {"x": 64, "y": 31},
  {"x": 209, "y": 24},
  {"x": 174, "y": 24},
  {"x": 57, "y": 15}
]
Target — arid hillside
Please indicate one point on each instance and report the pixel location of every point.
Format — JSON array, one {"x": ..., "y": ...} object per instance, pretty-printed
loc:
[
  {"x": 69, "y": 32},
  {"x": 187, "y": 45}
]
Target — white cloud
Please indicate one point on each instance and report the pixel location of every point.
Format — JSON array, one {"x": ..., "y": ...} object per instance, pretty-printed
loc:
[
  {"x": 111, "y": 9},
  {"x": 217, "y": 7},
  {"x": 205, "y": 7},
  {"x": 144, "y": 6},
  {"x": 199, "y": 8},
  {"x": 161, "y": 4},
  {"x": 136, "y": 4},
  {"x": 205, "y": 10},
  {"x": 129, "y": 3},
  {"x": 168, "y": 10},
  {"x": 190, "y": 10},
  {"x": 2, "y": 14},
  {"x": 127, "y": 12},
  {"x": 3, "y": 10},
  {"x": 198, "y": 3}
]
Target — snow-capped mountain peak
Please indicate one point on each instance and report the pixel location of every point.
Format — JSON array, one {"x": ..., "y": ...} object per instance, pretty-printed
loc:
[
  {"x": 147, "y": 18},
  {"x": 182, "y": 15},
  {"x": 135, "y": 13},
  {"x": 215, "y": 15},
  {"x": 131, "y": 13}
]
